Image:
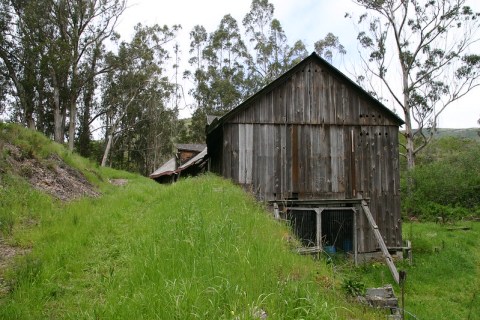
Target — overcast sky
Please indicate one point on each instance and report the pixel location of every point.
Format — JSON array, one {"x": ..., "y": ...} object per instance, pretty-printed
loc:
[{"x": 306, "y": 20}]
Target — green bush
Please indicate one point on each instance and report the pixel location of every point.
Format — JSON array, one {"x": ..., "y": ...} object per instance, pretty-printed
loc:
[
  {"x": 446, "y": 181},
  {"x": 353, "y": 287}
]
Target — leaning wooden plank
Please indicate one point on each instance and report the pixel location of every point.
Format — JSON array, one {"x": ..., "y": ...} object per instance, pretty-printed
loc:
[
  {"x": 379, "y": 238},
  {"x": 309, "y": 250}
]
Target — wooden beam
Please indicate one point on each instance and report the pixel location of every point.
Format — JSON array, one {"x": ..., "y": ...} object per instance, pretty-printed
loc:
[{"x": 379, "y": 238}]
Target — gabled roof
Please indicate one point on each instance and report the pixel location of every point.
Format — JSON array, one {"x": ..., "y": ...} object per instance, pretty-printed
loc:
[{"x": 281, "y": 79}]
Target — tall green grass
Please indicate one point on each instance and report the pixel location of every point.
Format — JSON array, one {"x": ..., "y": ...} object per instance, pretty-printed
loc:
[
  {"x": 444, "y": 280},
  {"x": 199, "y": 249}
]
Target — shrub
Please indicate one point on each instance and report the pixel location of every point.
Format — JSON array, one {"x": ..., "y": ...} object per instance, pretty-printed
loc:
[
  {"x": 353, "y": 287},
  {"x": 446, "y": 181}
]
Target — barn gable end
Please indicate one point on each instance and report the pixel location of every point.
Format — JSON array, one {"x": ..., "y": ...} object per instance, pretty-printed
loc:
[{"x": 314, "y": 134}]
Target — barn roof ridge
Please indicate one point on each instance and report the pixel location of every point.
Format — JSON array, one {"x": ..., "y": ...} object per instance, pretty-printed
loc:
[{"x": 284, "y": 77}]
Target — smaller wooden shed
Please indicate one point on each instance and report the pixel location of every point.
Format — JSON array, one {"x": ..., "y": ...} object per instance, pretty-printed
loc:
[
  {"x": 316, "y": 145},
  {"x": 189, "y": 160}
]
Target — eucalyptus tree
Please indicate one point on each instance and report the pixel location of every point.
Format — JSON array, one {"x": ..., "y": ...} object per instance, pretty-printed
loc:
[
  {"x": 94, "y": 66},
  {"x": 272, "y": 55},
  {"x": 136, "y": 90},
  {"x": 329, "y": 47},
  {"x": 423, "y": 54},
  {"x": 21, "y": 25},
  {"x": 44, "y": 46},
  {"x": 198, "y": 43},
  {"x": 219, "y": 61},
  {"x": 79, "y": 26},
  {"x": 225, "y": 56}
]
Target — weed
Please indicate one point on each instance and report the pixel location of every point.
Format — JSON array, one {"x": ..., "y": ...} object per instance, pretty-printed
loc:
[{"x": 353, "y": 287}]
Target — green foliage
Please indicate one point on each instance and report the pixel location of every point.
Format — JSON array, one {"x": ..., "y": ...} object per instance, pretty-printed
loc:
[
  {"x": 201, "y": 248},
  {"x": 228, "y": 66},
  {"x": 445, "y": 182},
  {"x": 443, "y": 281},
  {"x": 143, "y": 251},
  {"x": 328, "y": 46},
  {"x": 136, "y": 91},
  {"x": 406, "y": 46},
  {"x": 353, "y": 287}
]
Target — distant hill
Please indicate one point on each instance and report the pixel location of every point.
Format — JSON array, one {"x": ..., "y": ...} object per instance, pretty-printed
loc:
[{"x": 469, "y": 133}]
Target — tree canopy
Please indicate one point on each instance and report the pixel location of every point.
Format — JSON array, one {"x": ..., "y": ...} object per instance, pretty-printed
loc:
[
  {"x": 420, "y": 52},
  {"x": 66, "y": 72}
]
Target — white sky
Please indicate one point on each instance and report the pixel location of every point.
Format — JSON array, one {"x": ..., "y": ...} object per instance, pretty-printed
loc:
[{"x": 306, "y": 20}]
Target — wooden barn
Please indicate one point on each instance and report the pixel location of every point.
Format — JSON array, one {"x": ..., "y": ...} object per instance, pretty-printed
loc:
[{"x": 316, "y": 145}]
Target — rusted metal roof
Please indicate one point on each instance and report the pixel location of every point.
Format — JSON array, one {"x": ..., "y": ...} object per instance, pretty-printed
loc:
[
  {"x": 168, "y": 168},
  {"x": 195, "y": 160},
  {"x": 198, "y": 147}
]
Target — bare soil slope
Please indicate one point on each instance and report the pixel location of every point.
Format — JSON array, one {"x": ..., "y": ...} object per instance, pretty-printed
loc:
[{"x": 51, "y": 175}]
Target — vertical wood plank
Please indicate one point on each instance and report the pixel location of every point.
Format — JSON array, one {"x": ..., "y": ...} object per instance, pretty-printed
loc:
[{"x": 241, "y": 154}]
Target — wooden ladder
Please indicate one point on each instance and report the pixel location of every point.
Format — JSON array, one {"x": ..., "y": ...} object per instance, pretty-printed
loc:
[{"x": 379, "y": 238}]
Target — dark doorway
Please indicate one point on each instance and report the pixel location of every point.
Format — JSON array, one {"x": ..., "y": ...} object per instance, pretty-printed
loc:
[
  {"x": 304, "y": 224},
  {"x": 337, "y": 230}
]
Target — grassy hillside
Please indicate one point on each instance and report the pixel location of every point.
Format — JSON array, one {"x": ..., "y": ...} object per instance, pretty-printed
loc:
[
  {"x": 199, "y": 249},
  {"x": 444, "y": 280}
]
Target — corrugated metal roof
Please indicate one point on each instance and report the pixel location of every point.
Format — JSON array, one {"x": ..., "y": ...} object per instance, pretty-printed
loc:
[
  {"x": 170, "y": 167},
  {"x": 167, "y": 168},
  {"x": 191, "y": 146}
]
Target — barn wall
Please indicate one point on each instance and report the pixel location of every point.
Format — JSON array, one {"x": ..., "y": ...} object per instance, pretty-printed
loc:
[
  {"x": 318, "y": 162},
  {"x": 314, "y": 136}
]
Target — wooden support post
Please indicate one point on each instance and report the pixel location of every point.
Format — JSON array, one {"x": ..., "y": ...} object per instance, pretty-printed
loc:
[
  {"x": 379, "y": 238},
  {"x": 403, "y": 278},
  {"x": 355, "y": 240},
  {"x": 276, "y": 211},
  {"x": 319, "y": 228}
]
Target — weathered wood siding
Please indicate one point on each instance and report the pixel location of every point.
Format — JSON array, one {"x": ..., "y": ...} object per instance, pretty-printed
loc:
[{"x": 315, "y": 136}]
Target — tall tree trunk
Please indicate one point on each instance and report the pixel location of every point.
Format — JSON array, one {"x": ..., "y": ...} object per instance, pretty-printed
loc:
[
  {"x": 107, "y": 148},
  {"x": 89, "y": 91},
  {"x": 73, "y": 106},
  {"x": 73, "y": 120},
  {"x": 410, "y": 145},
  {"x": 84, "y": 130},
  {"x": 57, "y": 110}
]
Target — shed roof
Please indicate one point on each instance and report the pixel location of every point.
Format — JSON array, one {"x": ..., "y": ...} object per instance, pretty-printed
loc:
[
  {"x": 198, "y": 147},
  {"x": 281, "y": 79},
  {"x": 194, "y": 161},
  {"x": 170, "y": 167},
  {"x": 167, "y": 168}
]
